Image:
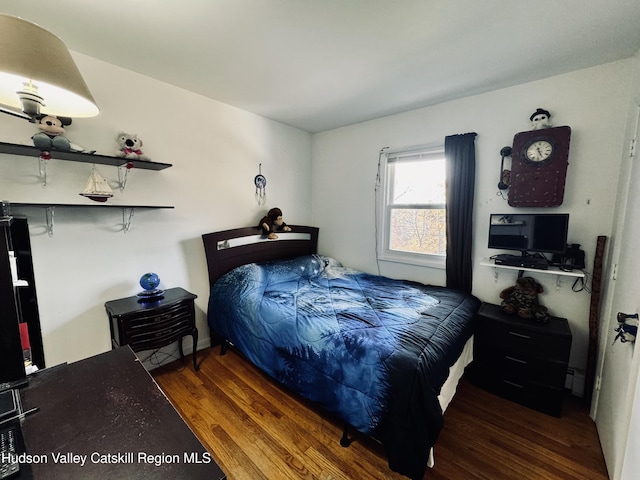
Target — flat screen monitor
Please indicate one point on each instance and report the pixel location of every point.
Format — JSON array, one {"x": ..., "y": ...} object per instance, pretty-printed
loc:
[{"x": 529, "y": 232}]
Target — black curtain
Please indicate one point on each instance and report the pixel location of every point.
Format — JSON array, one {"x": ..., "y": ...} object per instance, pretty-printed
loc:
[{"x": 460, "y": 153}]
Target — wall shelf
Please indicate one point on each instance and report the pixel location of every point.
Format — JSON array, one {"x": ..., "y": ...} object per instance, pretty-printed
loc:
[
  {"x": 7, "y": 204},
  {"x": 127, "y": 210},
  {"x": 29, "y": 151},
  {"x": 577, "y": 274},
  {"x": 487, "y": 262}
]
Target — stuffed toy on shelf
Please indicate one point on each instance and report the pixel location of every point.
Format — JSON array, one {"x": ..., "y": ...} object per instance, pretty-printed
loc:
[
  {"x": 51, "y": 134},
  {"x": 130, "y": 147}
]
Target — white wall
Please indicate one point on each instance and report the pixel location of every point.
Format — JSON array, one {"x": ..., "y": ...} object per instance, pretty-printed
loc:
[
  {"x": 215, "y": 150},
  {"x": 592, "y": 101}
]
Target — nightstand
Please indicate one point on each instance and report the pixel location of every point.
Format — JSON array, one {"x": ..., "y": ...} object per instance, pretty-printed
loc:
[
  {"x": 521, "y": 360},
  {"x": 150, "y": 325}
]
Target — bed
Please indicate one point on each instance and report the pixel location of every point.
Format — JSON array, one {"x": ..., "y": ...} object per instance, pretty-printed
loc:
[{"x": 384, "y": 355}]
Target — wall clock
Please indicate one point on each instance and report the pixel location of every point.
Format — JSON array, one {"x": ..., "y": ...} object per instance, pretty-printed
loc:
[{"x": 539, "y": 167}]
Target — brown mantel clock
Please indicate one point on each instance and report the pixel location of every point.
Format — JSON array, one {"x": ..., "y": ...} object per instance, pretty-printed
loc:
[{"x": 539, "y": 167}]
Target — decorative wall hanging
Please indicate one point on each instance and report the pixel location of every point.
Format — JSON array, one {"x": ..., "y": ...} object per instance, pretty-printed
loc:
[
  {"x": 539, "y": 163},
  {"x": 261, "y": 187}
]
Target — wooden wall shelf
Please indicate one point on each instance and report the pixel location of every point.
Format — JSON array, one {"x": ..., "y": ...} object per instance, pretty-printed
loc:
[
  {"x": 7, "y": 204},
  {"x": 28, "y": 151},
  {"x": 127, "y": 210}
]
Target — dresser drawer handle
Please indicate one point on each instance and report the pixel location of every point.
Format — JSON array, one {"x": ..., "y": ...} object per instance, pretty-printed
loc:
[
  {"x": 516, "y": 334},
  {"x": 513, "y": 384},
  {"x": 517, "y": 360}
]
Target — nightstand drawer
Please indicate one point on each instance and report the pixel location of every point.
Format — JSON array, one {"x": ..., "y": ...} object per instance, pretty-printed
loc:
[
  {"x": 148, "y": 340},
  {"x": 546, "y": 372},
  {"x": 498, "y": 330},
  {"x": 542, "y": 398},
  {"x": 157, "y": 319}
]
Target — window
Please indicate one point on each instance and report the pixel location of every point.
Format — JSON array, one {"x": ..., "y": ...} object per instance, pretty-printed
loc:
[{"x": 412, "y": 207}]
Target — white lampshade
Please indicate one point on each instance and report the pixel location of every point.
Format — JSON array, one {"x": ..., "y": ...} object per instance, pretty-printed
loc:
[{"x": 33, "y": 60}]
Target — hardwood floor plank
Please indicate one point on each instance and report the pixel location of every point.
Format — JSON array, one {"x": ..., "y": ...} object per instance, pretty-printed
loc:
[{"x": 255, "y": 429}]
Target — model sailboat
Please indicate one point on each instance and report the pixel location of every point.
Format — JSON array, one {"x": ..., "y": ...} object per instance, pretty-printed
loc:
[{"x": 97, "y": 188}]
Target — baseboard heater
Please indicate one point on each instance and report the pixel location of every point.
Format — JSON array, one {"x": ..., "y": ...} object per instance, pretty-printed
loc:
[{"x": 575, "y": 382}]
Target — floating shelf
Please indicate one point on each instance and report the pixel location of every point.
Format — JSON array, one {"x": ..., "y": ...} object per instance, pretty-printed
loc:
[
  {"x": 29, "y": 151},
  {"x": 8, "y": 204},
  {"x": 487, "y": 262},
  {"x": 127, "y": 210},
  {"x": 577, "y": 274}
]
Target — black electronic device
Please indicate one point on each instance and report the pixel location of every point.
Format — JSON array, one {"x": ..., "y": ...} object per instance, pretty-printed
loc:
[
  {"x": 9, "y": 404},
  {"x": 524, "y": 261},
  {"x": 571, "y": 259},
  {"x": 528, "y": 233},
  {"x": 11, "y": 445}
]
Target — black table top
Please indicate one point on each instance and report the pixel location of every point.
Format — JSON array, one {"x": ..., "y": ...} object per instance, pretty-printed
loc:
[{"x": 105, "y": 417}]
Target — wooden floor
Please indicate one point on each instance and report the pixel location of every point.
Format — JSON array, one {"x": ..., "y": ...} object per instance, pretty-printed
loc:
[{"x": 254, "y": 430}]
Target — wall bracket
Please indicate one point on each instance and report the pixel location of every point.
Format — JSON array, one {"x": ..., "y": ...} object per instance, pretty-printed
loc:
[{"x": 123, "y": 173}]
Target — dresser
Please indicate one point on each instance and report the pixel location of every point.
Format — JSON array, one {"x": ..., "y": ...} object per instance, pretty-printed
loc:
[
  {"x": 155, "y": 324},
  {"x": 521, "y": 360}
]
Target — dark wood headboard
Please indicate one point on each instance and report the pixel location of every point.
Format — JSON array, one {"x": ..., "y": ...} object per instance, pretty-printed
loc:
[{"x": 231, "y": 248}]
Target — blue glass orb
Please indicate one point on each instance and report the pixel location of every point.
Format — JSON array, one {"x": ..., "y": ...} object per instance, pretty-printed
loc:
[{"x": 149, "y": 281}]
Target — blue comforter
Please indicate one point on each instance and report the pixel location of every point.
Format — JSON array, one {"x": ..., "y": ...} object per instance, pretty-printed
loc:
[{"x": 374, "y": 350}]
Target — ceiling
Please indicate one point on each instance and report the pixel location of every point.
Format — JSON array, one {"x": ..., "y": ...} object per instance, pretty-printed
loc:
[{"x": 323, "y": 64}]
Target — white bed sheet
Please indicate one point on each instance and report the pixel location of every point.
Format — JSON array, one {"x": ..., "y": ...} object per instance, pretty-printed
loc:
[{"x": 450, "y": 386}]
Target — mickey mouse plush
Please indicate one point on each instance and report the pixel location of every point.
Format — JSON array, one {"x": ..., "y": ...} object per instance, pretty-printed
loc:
[
  {"x": 522, "y": 299},
  {"x": 273, "y": 221},
  {"x": 51, "y": 135}
]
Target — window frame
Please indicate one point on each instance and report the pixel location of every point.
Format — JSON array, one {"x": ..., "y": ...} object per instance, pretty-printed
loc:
[{"x": 384, "y": 208}]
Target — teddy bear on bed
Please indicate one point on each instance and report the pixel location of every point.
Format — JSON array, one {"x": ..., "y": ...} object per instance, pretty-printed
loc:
[
  {"x": 522, "y": 299},
  {"x": 272, "y": 222}
]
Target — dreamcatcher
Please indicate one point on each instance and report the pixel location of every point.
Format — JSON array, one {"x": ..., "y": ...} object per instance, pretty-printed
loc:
[{"x": 261, "y": 187}]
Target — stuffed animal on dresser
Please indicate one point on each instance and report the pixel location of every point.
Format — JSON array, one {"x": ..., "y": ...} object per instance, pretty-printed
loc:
[
  {"x": 272, "y": 222},
  {"x": 522, "y": 299}
]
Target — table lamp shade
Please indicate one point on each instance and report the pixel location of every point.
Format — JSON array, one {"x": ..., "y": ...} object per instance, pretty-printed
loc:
[{"x": 33, "y": 61}]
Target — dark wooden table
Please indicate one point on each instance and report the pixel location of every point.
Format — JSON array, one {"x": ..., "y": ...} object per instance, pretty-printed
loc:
[{"x": 108, "y": 412}]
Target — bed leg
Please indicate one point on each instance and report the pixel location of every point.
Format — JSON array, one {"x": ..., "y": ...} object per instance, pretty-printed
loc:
[
  {"x": 223, "y": 347},
  {"x": 345, "y": 441}
]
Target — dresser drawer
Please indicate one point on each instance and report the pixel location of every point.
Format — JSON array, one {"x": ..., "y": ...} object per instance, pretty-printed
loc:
[
  {"x": 497, "y": 330},
  {"x": 540, "y": 397},
  {"x": 543, "y": 371}
]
